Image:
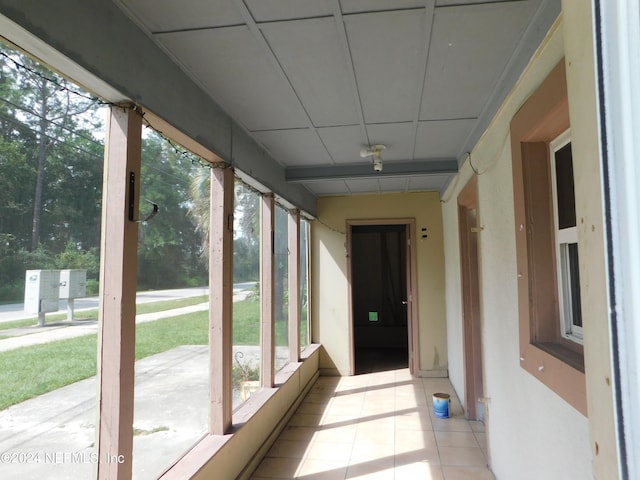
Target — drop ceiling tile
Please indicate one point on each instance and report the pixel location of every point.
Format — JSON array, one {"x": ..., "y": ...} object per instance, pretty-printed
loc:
[
  {"x": 397, "y": 137},
  {"x": 364, "y": 185},
  {"x": 238, "y": 75},
  {"x": 387, "y": 51},
  {"x": 428, "y": 182},
  {"x": 294, "y": 147},
  {"x": 271, "y": 10},
  {"x": 448, "y": 3},
  {"x": 335, "y": 187},
  {"x": 316, "y": 64},
  {"x": 343, "y": 143},
  {"x": 398, "y": 184},
  {"x": 470, "y": 47},
  {"x": 352, "y": 6},
  {"x": 442, "y": 139},
  {"x": 169, "y": 15}
]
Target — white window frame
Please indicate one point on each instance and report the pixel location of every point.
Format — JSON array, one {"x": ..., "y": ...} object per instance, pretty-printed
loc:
[{"x": 563, "y": 238}]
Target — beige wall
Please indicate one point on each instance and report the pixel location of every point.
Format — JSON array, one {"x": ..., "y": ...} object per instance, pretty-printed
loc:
[
  {"x": 330, "y": 309},
  {"x": 533, "y": 433}
]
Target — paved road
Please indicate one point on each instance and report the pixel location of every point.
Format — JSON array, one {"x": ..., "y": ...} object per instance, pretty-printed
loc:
[{"x": 16, "y": 311}]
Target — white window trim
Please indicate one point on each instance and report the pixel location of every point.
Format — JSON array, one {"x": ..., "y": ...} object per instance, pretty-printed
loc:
[{"x": 563, "y": 237}]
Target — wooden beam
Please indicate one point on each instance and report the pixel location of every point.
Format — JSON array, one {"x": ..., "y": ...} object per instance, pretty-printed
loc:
[
  {"x": 267, "y": 341},
  {"x": 221, "y": 300},
  {"x": 117, "y": 314},
  {"x": 294, "y": 285}
]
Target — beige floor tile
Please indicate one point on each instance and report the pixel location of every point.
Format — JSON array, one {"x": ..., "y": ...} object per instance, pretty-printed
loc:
[
  {"x": 481, "y": 438},
  {"x": 377, "y": 422},
  {"x": 363, "y": 452},
  {"x": 476, "y": 426},
  {"x": 462, "y": 456},
  {"x": 337, "y": 421},
  {"x": 323, "y": 450},
  {"x": 381, "y": 469},
  {"x": 313, "y": 408},
  {"x": 377, "y": 427},
  {"x": 417, "y": 455},
  {"x": 288, "y": 449},
  {"x": 406, "y": 440},
  {"x": 413, "y": 422},
  {"x": 278, "y": 467},
  {"x": 450, "y": 425},
  {"x": 322, "y": 398},
  {"x": 340, "y": 434},
  {"x": 456, "y": 439},
  {"x": 384, "y": 438},
  {"x": 292, "y": 432},
  {"x": 419, "y": 470},
  {"x": 326, "y": 469},
  {"x": 467, "y": 473},
  {"x": 305, "y": 420}
]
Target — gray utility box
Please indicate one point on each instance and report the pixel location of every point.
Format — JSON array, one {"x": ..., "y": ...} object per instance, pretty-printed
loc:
[
  {"x": 41, "y": 291},
  {"x": 73, "y": 283}
]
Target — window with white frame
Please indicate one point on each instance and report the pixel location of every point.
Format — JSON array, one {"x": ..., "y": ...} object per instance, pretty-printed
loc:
[{"x": 566, "y": 238}]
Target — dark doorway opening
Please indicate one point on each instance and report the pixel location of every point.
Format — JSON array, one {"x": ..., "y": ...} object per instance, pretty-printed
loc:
[{"x": 379, "y": 297}]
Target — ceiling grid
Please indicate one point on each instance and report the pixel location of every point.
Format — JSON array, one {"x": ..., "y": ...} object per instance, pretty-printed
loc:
[{"x": 316, "y": 81}]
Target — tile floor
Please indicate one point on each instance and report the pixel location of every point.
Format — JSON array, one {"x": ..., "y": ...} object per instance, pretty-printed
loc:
[{"x": 377, "y": 426}]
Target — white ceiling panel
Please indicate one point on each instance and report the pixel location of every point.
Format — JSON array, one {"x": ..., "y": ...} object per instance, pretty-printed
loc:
[
  {"x": 317, "y": 66},
  {"x": 448, "y": 3},
  {"x": 387, "y": 49},
  {"x": 397, "y": 137},
  {"x": 316, "y": 81},
  {"x": 232, "y": 66},
  {"x": 442, "y": 139},
  {"x": 428, "y": 182},
  {"x": 365, "y": 185},
  {"x": 294, "y": 147},
  {"x": 470, "y": 47},
  {"x": 169, "y": 15},
  {"x": 400, "y": 184},
  {"x": 343, "y": 143},
  {"x": 272, "y": 10},
  {"x": 334, "y": 187},
  {"x": 352, "y": 6}
]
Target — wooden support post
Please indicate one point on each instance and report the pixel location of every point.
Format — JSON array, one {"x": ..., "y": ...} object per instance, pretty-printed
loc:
[
  {"x": 267, "y": 340},
  {"x": 294, "y": 286},
  {"x": 221, "y": 300},
  {"x": 118, "y": 277}
]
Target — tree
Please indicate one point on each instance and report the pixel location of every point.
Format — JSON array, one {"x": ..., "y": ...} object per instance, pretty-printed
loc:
[{"x": 170, "y": 244}]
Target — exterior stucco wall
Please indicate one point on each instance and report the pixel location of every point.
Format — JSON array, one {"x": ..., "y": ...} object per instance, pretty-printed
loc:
[
  {"x": 330, "y": 309},
  {"x": 532, "y": 432}
]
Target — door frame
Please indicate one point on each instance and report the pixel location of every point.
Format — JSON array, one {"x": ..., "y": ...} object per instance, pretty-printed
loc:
[
  {"x": 468, "y": 230},
  {"x": 412, "y": 288}
]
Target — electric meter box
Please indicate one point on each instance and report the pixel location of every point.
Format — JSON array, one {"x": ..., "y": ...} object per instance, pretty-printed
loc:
[
  {"x": 73, "y": 283},
  {"x": 41, "y": 291}
]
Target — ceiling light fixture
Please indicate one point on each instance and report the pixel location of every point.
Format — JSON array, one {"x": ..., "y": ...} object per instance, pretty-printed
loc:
[{"x": 374, "y": 151}]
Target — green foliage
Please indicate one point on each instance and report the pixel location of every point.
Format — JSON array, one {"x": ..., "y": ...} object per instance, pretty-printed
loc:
[
  {"x": 246, "y": 323},
  {"x": 28, "y": 372},
  {"x": 170, "y": 245}
]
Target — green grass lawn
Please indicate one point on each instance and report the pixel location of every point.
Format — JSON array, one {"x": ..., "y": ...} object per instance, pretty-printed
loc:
[
  {"x": 31, "y": 371},
  {"x": 93, "y": 314}
]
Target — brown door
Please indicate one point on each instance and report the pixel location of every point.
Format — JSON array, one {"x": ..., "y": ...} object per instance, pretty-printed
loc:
[{"x": 472, "y": 327}]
